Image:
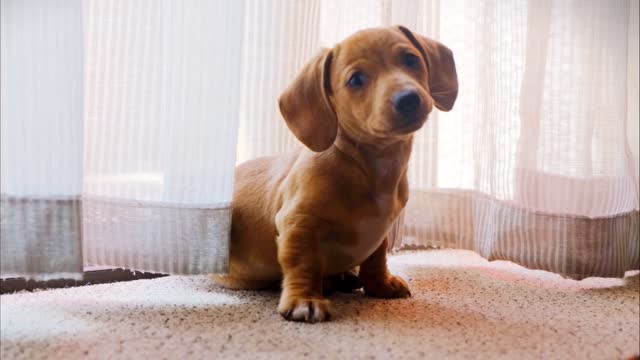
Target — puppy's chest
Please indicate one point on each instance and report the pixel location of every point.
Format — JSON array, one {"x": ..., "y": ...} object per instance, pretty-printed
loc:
[{"x": 362, "y": 229}]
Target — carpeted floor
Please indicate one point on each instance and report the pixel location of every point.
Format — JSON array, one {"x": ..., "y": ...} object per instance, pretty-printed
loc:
[{"x": 462, "y": 307}]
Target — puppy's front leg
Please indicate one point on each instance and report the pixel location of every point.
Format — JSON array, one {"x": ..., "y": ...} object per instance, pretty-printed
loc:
[
  {"x": 301, "y": 298},
  {"x": 377, "y": 280}
]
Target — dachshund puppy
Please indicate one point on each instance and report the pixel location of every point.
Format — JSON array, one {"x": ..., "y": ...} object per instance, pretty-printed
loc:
[{"x": 325, "y": 210}]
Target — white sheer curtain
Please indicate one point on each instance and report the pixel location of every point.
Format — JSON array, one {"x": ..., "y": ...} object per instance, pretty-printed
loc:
[
  {"x": 161, "y": 108},
  {"x": 119, "y": 122},
  {"x": 537, "y": 162},
  {"x": 41, "y": 137}
]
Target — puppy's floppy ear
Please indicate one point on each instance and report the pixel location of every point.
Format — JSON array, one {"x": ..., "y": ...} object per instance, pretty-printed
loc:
[
  {"x": 443, "y": 79},
  {"x": 305, "y": 104}
]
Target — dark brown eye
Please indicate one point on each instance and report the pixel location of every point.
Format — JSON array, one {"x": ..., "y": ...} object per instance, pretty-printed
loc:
[
  {"x": 357, "y": 80},
  {"x": 411, "y": 60}
]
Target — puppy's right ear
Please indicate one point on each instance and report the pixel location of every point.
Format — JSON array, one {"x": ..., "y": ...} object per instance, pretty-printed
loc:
[
  {"x": 305, "y": 104},
  {"x": 443, "y": 78}
]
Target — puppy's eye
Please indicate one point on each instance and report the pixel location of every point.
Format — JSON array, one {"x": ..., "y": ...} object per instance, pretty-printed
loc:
[
  {"x": 357, "y": 80},
  {"x": 411, "y": 60}
]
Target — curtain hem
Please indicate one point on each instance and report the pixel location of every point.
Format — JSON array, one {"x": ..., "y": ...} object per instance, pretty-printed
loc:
[
  {"x": 573, "y": 246},
  {"x": 147, "y": 236},
  {"x": 40, "y": 237}
]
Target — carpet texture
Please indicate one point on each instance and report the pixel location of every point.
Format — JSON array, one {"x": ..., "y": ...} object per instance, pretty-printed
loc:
[{"x": 462, "y": 307}]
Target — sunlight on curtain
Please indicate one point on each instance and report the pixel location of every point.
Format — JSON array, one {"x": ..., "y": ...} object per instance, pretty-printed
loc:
[
  {"x": 41, "y": 138},
  {"x": 535, "y": 163},
  {"x": 279, "y": 37},
  {"x": 162, "y": 96},
  {"x": 122, "y": 122},
  {"x": 119, "y": 130}
]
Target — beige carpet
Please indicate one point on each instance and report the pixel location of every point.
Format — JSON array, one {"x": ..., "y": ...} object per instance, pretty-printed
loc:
[{"x": 462, "y": 307}]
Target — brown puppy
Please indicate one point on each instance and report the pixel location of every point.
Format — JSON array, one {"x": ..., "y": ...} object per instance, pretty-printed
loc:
[{"x": 327, "y": 209}]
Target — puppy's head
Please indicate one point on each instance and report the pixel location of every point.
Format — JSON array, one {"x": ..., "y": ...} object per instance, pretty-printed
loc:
[{"x": 377, "y": 85}]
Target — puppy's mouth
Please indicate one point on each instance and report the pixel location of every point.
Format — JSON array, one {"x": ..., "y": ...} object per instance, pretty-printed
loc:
[{"x": 404, "y": 126}]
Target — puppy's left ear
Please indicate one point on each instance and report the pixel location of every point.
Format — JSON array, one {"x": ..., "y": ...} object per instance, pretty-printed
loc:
[
  {"x": 443, "y": 79},
  {"x": 305, "y": 104}
]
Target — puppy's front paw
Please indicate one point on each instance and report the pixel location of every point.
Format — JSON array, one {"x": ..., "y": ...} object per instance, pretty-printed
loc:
[
  {"x": 309, "y": 310},
  {"x": 389, "y": 287}
]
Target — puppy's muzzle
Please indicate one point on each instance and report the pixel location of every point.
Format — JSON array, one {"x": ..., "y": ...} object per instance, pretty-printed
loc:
[{"x": 407, "y": 104}]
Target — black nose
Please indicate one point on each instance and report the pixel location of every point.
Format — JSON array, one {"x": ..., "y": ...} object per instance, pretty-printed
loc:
[{"x": 406, "y": 103}]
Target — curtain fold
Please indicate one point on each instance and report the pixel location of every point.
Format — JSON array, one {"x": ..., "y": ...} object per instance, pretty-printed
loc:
[
  {"x": 543, "y": 173},
  {"x": 119, "y": 131},
  {"x": 162, "y": 97},
  {"x": 41, "y": 138}
]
